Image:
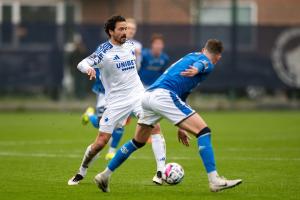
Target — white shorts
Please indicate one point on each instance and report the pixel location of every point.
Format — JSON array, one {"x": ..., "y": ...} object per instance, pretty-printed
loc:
[
  {"x": 100, "y": 106},
  {"x": 160, "y": 103},
  {"x": 116, "y": 116}
]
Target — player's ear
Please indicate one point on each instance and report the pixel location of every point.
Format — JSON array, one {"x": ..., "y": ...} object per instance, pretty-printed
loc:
[{"x": 110, "y": 32}]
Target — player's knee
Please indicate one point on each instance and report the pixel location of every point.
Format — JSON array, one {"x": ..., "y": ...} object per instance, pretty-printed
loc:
[
  {"x": 102, "y": 140},
  {"x": 203, "y": 131},
  {"x": 138, "y": 144},
  {"x": 156, "y": 129}
]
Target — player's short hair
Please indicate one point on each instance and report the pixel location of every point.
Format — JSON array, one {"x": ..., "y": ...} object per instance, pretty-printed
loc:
[
  {"x": 157, "y": 36},
  {"x": 214, "y": 46},
  {"x": 111, "y": 23}
]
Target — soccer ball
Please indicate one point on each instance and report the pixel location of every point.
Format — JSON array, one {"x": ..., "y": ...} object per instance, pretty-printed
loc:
[{"x": 173, "y": 173}]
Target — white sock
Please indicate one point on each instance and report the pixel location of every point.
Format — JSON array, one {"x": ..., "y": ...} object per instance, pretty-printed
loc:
[
  {"x": 111, "y": 150},
  {"x": 212, "y": 176},
  {"x": 82, "y": 171},
  {"x": 159, "y": 150},
  {"x": 107, "y": 172},
  {"x": 87, "y": 159}
]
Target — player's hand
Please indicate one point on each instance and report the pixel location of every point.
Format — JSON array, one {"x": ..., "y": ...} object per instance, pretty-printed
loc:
[
  {"x": 190, "y": 72},
  {"x": 91, "y": 73},
  {"x": 183, "y": 137}
]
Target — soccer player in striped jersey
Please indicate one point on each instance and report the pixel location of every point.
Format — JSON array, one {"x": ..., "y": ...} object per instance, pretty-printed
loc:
[
  {"x": 123, "y": 88},
  {"x": 90, "y": 115}
]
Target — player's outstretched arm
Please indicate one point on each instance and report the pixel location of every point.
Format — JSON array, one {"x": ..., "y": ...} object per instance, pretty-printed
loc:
[
  {"x": 84, "y": 67},
  {"x": 190, "y": 72}
]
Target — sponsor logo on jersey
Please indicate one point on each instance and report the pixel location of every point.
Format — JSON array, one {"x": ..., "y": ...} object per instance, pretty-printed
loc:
[{"x": 126, "y": 65}]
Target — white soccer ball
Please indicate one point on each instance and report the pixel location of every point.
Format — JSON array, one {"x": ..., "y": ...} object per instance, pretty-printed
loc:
[{"x": 173, "y": 173}]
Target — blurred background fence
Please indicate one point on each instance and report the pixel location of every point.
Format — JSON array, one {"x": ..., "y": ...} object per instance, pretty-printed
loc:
[{"x": 261, "y": 57}]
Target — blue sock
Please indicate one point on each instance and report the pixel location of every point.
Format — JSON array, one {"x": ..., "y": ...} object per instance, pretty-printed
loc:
[
  {"x": 206, "y": 152},
  {"x": 116, "y": 137},
  {"x": 122, "y": 154},
  {"x": 94, "y": 120}
]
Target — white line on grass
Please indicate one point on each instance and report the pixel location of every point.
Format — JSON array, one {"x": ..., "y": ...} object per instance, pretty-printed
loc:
[
  {"x": 55, "y": 155},
  {"x": 53, "y": 142},
  {"x": 37, "y": 142},
  {"x": 42, "y": 155}
]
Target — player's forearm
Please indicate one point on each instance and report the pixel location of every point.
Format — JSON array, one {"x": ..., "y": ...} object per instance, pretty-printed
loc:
[{"x": 83, "y": 66}]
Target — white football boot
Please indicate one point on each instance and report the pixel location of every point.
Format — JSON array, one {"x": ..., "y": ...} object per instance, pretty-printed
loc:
[
  {"x": 221, "y": 183},
  {"x": 75, "y": 179},
  {"x": 157, "y": 179},
  {"x": 102, "y": 182}
]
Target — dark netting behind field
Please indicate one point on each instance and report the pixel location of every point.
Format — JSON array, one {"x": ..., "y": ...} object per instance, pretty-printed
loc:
[{"x": 32, "y": 54}]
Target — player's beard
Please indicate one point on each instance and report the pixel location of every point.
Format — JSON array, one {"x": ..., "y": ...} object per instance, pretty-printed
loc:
[{"x": 121, "y": 39}]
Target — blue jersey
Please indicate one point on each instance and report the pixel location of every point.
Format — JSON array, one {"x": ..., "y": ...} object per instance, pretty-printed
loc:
[
  {"x": 97, "y": 86},
  {"x": 152, "y": 67},
  {"x": 180, "y": 85}
]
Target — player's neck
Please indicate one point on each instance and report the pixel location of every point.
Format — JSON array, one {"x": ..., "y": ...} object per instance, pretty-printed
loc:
[
  {"x": 114, "y": 42},
  {"x": 209, "y": 56}
]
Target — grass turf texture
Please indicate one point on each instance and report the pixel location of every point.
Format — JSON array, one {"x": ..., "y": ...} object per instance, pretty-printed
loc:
[{"x": 39, "y": 152}]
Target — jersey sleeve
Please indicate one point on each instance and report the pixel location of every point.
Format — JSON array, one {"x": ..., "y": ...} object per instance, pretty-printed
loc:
[
  {"x": 95, "y": 60},
  {"x": 98, "y": 86},
  {"x": 203, "y": 66}
]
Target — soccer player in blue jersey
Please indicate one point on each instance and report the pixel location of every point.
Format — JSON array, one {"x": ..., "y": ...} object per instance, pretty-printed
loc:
[
  {"x": 166, "y": 98},
  {"x": 154, "y": 61}
]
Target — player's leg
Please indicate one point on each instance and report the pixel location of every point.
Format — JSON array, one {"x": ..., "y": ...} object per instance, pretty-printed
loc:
[
  {"x": 159, "y": 150},
  {"x": 147, "y": 119},
  {"x": 115, "y": 140},
  {"x": 170, "y": 106},
  {"x": 91, "y": 154},
  {"x": 197, "y": 126},
  {"x": 142, "y": 134},
  {"x": 110, "y": 118}
]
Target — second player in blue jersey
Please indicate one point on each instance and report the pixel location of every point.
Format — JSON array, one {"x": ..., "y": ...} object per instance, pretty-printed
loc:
[
  {"x": 173, "y": 80},
  {"x": 154, "y": 61}
]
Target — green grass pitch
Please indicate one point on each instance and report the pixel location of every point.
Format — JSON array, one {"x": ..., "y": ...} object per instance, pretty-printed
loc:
[{"x": 39, "y": 152}]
